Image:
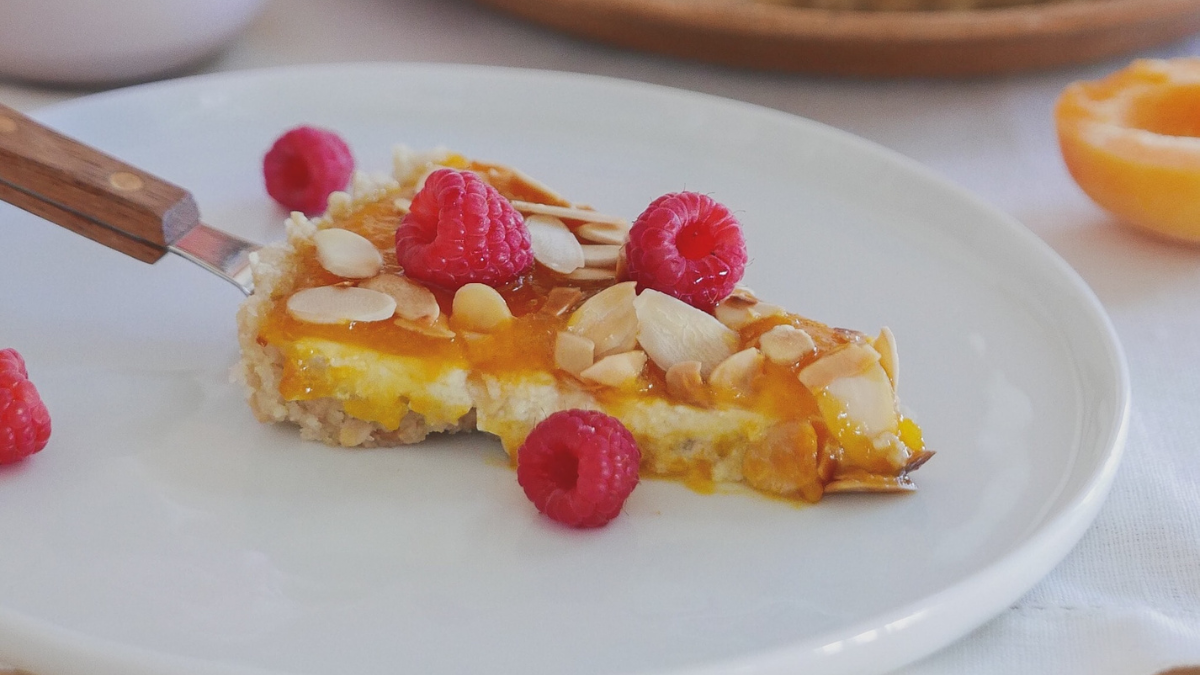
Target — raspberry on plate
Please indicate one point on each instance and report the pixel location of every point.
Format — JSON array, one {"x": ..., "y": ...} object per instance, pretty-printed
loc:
[
  {"x": 304, "y": 166},
  {"x": 24, "y": 420},
  {"x": 578, "y": 467},
  {"x": 689, "y": 246},
  {"x": 460, "y": 230}
]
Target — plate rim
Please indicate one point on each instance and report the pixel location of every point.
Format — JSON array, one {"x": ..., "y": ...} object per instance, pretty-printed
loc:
[{"x": 1017, "y": 570}]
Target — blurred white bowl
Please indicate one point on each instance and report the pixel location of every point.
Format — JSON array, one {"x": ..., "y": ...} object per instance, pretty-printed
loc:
[{"x": 108, "y": 41}]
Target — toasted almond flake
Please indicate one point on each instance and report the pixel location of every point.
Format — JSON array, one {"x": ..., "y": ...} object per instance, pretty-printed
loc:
[
  {"x": 553, "y": 244},
  {"x": 786, "y": 344},
  {"x": 347, "y": 254},
  {"x": 592, "y": 274},
  {"x": 561, "y": 300},
  {"x": 413, "y": 301},
  {"x": 531, "y": 184},
  {"x": 439, "y": 328},
  {"x": 917, "y": 460},
  {"x": 479, "y": 307},
  {"x": 603, "y": 233},
  {"x": 672, "y": 331},
  {"x": 340, "y": 304},
  {"x": 601, "y": 255},
  {"x": 742, "y": 297},
  {"x": 889, "y": 358},
  {"x": 868, "y": 400},
  {"x": 738, "y": 311},
  {"x": 736, "y": 374},
  {"x": 570, "y": 213},
  {"x": 402, "y": 204},
  {"x": 622, "y": 268},
  {"x": 847, "y": 361},
  {"x": 872, "y": 484},
  {"x": 617, "y": 370},
  {"x": 573, "y": 353},
  {"x": 685, "y": 383},
  {"x": 608, "y": 319}
]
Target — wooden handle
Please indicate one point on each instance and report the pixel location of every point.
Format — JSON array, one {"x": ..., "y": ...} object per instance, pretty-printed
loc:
[{"x": 88, "y": 192}]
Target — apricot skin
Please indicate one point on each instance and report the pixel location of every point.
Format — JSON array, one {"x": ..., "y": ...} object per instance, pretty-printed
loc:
[{"x": 1130, "y": 143}]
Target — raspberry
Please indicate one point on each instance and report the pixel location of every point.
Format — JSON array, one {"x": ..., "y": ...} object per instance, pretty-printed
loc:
[
  {"x": 459, "y": 230},
  {"x": 24, "y": 420},
  {"x": 687, "y": 245},
  {"x": 578, "y": 467},
  {"x": 304, "y": 166}
]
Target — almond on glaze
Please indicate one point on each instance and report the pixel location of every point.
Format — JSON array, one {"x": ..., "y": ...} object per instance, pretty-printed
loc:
[
  {"x": 414, "y": 301},
  {"x": 347, "y": 254},
  {"x": 340, "y": 304},
  {"x": 672, "y": 331},
  {"x": 479, "y": 308}
]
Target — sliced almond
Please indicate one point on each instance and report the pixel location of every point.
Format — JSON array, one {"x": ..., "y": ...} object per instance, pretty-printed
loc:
[
  {"x": 569, "y": 213},
  {"x": 592, "y": 274},
  {"x": 742, "y": 296},
  {"x": 736, "y": 374},
  {"x": 608, "y": 319},
  {"x": 509, "y": 181},
  {"x": 347, "y": 254},
  {"x": 439, "y": 328},
  {"x": 889, "y": 358},
  {"x": 685, "y": 383},
  {"x": 847, "y": 361},
  {"x": 601, "y": 255},
  {"x": 617, "y": 370},
  {"x": 554, "y": 245},
  {"x": 868, "y": 400},
  {"x": 573, "y": 353},
  {"x": 561, "y": 299},
  {"x": 672, "y": 331},
  {"x": 340, "y": 304},
  {"x": 622, "y": 267},
  {"x": 402, "y": 204},
  {"x": 871, "y": 484},
  {"x": 737, "y": 311},
  {"x": 413, "y": 301},
  {"x": 604, "y": 233},
  {"x": 480, "y": 308},
  {"x": 786, "y": 344}
]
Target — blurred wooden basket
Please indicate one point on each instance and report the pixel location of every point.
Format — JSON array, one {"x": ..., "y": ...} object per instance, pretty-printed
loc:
[{"x": 776, "y": 35}]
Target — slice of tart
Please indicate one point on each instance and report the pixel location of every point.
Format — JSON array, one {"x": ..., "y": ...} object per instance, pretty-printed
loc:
[{"x": 716, "y": 386}]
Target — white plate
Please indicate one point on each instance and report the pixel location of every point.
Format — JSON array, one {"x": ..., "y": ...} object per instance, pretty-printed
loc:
[{"x": 164, "y": 530}]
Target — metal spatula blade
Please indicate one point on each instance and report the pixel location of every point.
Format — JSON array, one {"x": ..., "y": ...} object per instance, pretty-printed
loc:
[{"x": 118, "y": 205}]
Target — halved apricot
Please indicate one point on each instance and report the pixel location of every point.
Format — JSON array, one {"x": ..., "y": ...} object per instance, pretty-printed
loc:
[{"x": 1132, "y": 142}]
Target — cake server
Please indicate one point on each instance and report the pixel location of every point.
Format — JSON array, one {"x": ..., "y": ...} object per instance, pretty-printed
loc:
[{"x": 111, "y": 202}]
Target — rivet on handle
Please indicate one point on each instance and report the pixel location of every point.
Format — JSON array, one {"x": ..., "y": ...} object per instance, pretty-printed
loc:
[
  {"x": 7, "y": 125},
  {"x": 125, "y": 181}
]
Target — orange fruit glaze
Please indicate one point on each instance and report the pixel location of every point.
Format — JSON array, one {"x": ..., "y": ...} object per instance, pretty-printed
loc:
[{"x": 1132, "y": 143}]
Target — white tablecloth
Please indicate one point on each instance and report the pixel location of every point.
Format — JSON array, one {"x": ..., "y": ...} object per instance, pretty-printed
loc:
[{"x": 1126, "y": 601}]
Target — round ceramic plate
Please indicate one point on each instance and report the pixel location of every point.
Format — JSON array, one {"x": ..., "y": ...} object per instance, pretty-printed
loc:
[{"x": 164, "y": 530}]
